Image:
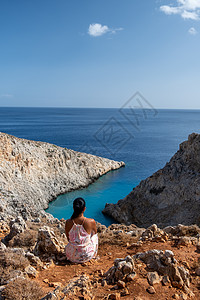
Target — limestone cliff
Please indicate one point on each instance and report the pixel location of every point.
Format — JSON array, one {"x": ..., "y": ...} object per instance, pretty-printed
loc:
[
  {"x": 33, "y": 173},
  {"x": 168, "y": 197}
]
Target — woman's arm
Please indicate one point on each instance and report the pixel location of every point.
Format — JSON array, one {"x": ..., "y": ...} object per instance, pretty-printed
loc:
[
  {"x": 67, "y": 228},
  {"x": 94, "y": 227}
]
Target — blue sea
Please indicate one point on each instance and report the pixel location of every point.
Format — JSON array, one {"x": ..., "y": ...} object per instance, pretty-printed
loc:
[{"x": 144, "y": 139}]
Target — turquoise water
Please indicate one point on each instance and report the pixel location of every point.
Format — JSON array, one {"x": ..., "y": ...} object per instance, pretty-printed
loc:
[
  {"x": 144, "y": 149},
  {"x": 106, "y": 189}
]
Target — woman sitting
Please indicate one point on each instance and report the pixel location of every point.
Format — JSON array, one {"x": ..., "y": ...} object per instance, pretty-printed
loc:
[{"x": 82, "y": 235}]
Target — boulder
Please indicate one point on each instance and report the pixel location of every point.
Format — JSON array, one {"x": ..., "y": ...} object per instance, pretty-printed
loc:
[{"x": 47, "y": 243}]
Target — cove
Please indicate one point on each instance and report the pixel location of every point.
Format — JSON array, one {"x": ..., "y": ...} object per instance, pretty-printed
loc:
[{"x": 107, "y": 189}]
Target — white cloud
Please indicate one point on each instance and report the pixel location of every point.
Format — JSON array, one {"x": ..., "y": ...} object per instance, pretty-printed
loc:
[
  {"x": 6, "y": 96},
  {"x": 187, "y": 9},
  {"x": 190, "y": 15},
  {"x": 169, "y": 10},
  {"x": 97, "y": 29},
  {"x": 192, "y": 31}
]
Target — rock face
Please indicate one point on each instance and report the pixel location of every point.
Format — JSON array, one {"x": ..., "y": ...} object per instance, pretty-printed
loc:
[
  {"x": 33, "y": 173},
  {"x": 170, "y": 196}
]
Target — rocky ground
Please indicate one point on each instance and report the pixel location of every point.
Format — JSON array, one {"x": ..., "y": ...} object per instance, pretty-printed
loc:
[
  {"x": 170, "y": 196},
  {"x": 132, "y": 263},
  {"x": 34, "y": 173}
]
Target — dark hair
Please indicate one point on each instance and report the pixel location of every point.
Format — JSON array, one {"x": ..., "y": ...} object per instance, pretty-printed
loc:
[{"x": 78, "y": 206}]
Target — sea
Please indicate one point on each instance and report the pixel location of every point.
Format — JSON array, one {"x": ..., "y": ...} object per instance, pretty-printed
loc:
[{"x": 145, "y": 139}]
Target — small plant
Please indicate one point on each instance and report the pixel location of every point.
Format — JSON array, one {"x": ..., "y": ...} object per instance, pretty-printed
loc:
[
  {"x": 14, "y": 260},
  {"x": 26, "y": 239},
  {"x": 22, "y": 289}
]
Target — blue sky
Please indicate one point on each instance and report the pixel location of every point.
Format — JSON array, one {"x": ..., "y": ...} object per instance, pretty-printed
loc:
[{"x": 75, "y": 53}]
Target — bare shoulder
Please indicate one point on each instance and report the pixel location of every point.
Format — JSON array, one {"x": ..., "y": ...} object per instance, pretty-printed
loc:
[
  {"x": 90, "y": 221},
  {"x": 68, "y": 223}
]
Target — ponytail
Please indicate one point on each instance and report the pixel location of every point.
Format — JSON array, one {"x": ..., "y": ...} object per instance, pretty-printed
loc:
[{"x": 78, "y": 206}]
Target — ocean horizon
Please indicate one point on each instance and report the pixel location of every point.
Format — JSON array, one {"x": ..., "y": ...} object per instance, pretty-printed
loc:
[{"x": 145, "y": 141}]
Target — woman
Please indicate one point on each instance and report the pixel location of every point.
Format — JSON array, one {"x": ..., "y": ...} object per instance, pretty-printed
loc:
[{"x": 82, "y": 235}]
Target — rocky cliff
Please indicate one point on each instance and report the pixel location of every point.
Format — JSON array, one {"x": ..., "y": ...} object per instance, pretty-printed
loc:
[
  {"x": 168, "y": 197},
  {"x": 33, "y": 173}
]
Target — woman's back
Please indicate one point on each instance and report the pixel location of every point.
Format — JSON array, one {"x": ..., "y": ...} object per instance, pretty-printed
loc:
[
  {"x": 83, "y": 240},
  {"x": 82, "y": 235}
]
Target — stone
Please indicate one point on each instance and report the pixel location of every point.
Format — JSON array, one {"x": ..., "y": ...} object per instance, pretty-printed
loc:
[
  {"x": 31, "y": 272},
  {"x": 197, "y": 271},
  {"x": 151, "y": 290},
  {"x": 165, "y": 280},
  {"x": 46, "y": 280},
  {"x": 47, "y": 242},
  {"x": 121, "y": 284},
  {"x": 17, "y": 226},
  {"x": 124, "y": 292},
  {"x": 175, "y": 296},
  {"x": 104, "y": 282},
  {"x": 131, "y": 276},
  {"x": 122, "y": 268},
  {"x": 153, "y": 278},
  {"x": 183, "y": 296},
  {"x": 54, "y": 284},
  {"x": 34, "y": 260},
  {"x": 127, "y": 268},
  {"x": 115, "y": 296},
  {"x": 163, "y": 197}
]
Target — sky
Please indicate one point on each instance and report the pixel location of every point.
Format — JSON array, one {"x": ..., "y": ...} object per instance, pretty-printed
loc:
[{"x": 89, "y": 53}]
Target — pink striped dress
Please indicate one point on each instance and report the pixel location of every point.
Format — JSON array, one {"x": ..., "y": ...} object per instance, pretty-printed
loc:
[{"x": 82, "y": 246}]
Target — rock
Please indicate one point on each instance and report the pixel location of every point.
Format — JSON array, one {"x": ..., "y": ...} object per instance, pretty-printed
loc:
[
  {"x": 153, "y": 278},
  {"x": 182, "y": 230},
  {"x": 34, "y": 260},
  {"x": 47, "y": 242},
  {"x": 121, "y": 284},
  {"x": 197, "y": 271},
  {"x": 121, "y": 269},
  {"x": 31, "y": 272},
  {"x": 165, "y": 280},
  {"x": 54, "y": 284},
  {"x": 155, "y": 234},
  {"x": 34, "y": 173},
  {"x": 131, "y": 276},
  {"x": 80, "y": 284},
  {"x": 46, "y": 280},
  {"x": 175, "y": 296},
  {"x": 17, "y": 226},
  {"x": 115, "y": 296},
  {"x": 183, "y": 296},
  {"x": 168, "y": 197},
  {"x": 151, "y": 290},
  {"x": 166, "y": 265},
  {"x": 103, "y": 283},
  {"x": 124, "y": 292},
  {"x": 2, "y": 247}
]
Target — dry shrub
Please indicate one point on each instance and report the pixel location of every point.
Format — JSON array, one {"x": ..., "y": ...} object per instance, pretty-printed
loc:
[
  {"x": 5, "y": 275},
  {"x": 22, "y": 289},
  {"x": 14, "y": 260},
  {"x": 25, "y": 239},
  {"x": 115, "y": 239},
  {"x": 10, "y": 262}
]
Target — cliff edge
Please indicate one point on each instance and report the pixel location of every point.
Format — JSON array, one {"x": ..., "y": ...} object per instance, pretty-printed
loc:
[
  {"x": 170, "y": 196},
  {"x": 34, "y": 173}
]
